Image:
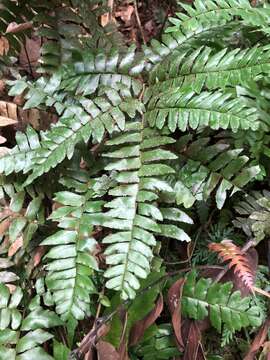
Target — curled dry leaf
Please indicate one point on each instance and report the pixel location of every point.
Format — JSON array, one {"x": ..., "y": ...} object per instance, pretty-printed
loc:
[
  {"x": 15, "y": 246},
  {"x": 13, "y": 27},
  {"x": 259, "y": 340},
  {"x": 139, "y": 328},
  {"x": 174, "y": 303}
]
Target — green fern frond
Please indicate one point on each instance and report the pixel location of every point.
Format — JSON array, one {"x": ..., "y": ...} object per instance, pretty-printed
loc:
[
  {"x": 22, "y": 338},
  {"x": 183, "y": 109},
  {"x": 204, "y": 68},
  {"x": 133, "y": 212},
  {"x": 202, "y": 17},
  {"x": 203, "y": 297},
  {"x": 71, "y": 260},
  {"x": 205, "y": 169},
  {"x": 86, "y": 76}
]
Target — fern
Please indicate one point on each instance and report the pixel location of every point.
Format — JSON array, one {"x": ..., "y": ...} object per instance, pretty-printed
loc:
[
  {"x": 71, "y": 255},
  {"x": 32, "y": 328},
  {"x": 133, "y": 209},
  {"x": 208, "y": 168},
  {"x": 256, "y": 207},
  {"x": 203, "y": 297},
  {"x": 228, "y": 251},
  {"x": 100, "y": 195}
]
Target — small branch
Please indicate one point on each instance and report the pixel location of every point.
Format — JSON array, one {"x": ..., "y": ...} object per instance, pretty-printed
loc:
[{"x": 139, "y": 21}]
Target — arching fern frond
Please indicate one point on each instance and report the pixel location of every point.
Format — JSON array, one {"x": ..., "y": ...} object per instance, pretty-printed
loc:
[
  {"x": 71, "y": 262},
  {"x": 202, "y": 17},
  {"x": 205, "y": 169},
  {"x": 133, "y": 212},
  {"x": 205, "y": 68},
  {"x": 183, "y": 109}
]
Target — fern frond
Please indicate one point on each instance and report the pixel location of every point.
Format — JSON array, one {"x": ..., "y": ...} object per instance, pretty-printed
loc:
[
  {"x": 133, "y": 212},
  {"x": 202, "y": 17},
  {"x": 205, "y": 68},
  {"x": 94, "y": 71},
  {"x": 183, "y": 109},
  {"x": 71, "y": 260},
  {"x": 203, "y": 297},
  {"x": 21, "y": 338},
  {"x": 255, "y": 214},
  {"x": 79, "y": 120},
  {"x": 228, "y": 251},
  {"x": 208, "y": 168}
]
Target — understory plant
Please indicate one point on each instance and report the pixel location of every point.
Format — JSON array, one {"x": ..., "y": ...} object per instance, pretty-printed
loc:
[{"x": 129, "y": 225}]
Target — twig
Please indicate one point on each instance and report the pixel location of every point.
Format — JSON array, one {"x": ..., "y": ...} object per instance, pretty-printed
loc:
[{"x": 139, "y": 21}]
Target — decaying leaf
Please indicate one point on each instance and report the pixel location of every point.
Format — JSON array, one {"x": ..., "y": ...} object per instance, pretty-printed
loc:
[
  {"x": 259, "y": 340},
  {"x": 140, "y": 326},
  {"x": 193, "y": 345},
  {"x": 174, "y": 302},
  {"x": 237, "y": 260},
  {"x": 15, "y": 246},
  {"x": 13, "y": 27},
  {"x": 106, "y": 351},
  {"x": 4, "y": 46},
  {"x": 4, "y": 121}
]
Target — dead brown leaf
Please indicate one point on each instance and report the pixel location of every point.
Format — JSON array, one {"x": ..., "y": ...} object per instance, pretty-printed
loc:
[
  {"x": 259, "y": 340},
  {"x": 106, "y": 351},
  {"x": 15, "y": 246},
  {"x": 174, "y": 303},
  {"x": 39, "y": 252},
  {"x": 4, "y": 46},
  {"x": 139, "y": 328},
  {"x": 13, "y": 27},
  {"x": 30, "y": 54},
  {"x": 193, "y": 348},
  {"x": 5, "y": 121},
  {"x": 8, "y": 110},
  {"x": 4, "y": 225}
]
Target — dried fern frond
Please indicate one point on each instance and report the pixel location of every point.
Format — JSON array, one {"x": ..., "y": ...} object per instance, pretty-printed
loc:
[{"x": 238, "y": 260}]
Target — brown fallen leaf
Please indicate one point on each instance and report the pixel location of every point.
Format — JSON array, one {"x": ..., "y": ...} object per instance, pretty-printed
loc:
[
  {"x": 106, "y": 351},
  {"x": 174, "y": 303},
  {"x": 4, "y": 46},
  {"x": 139, "y": 328},
  {"x": 13, "y": 27},
  {"x": 259, "y": 340},
  {"x": 38, "y": 254},
  {"x": 8, "y": 110},
  {"x": 5, "y": 121},
  {"x": 4, "y": 225},
  {"x": 15, "y": 246},
  {"x": 30, "y": 54},
  {"x": 193, "y": 348}
]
